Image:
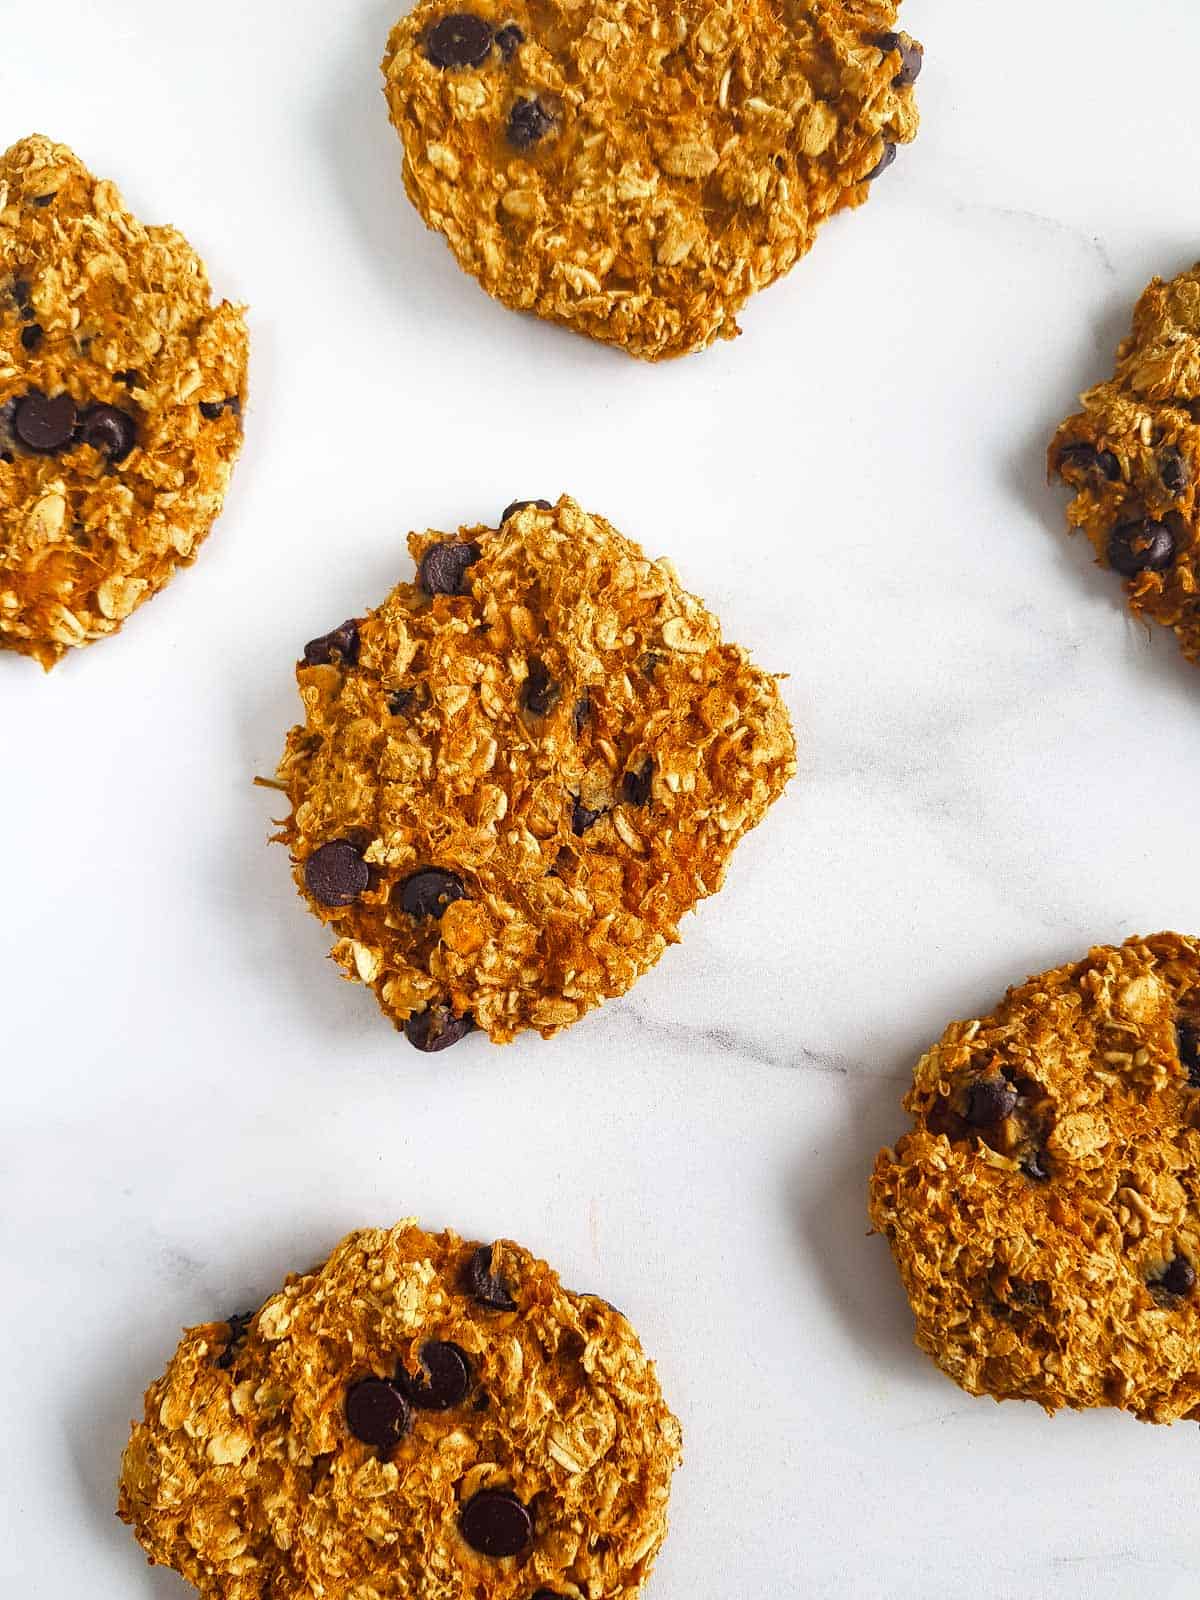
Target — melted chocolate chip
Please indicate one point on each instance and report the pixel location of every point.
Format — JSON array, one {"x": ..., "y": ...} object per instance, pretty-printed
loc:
[
  {"x": 884, "y": 162},
  {"x": 1188, "y": 1034},
  {"x": 1077, "y": 460},
  {"x": 1144, "y": 546},
  {"x": 377, "y": 1413},
  {"x": 437, "y": 1028},
  {"x": 212, "y": 409},
  {"x": 582, "y": 711},
  {"x": 129, "y": 377},
  {"x": 1173, "y": 470},
  {"x": 42, "y": 200},
  {"x": 336, "y": 874},
  {"x": 508, "y": 38},
  {"x": 912, "y": 58},
  {"x": 1179, "y": 1278},
  {"x": 528, "y": 122},
  {"x": 514, "y": 506},
  {"x": 444, "y": 567},
  {"x": 489, "y": 1289},
  {"x": 20, "y": 294},
  {"x": 401, "y": 702},
  {"x": 238, "y": 1325},
  {"x": 1034, "y": 1167},
  {"x": 582, "y": 819},
  {"x": 495, "y": 1523},
  {"x": 44, "y": 426},
  {"x": 341, "y": 645},
  {"x": 32, "y": 336},
  {"x": 109, "y": 430},
  {"x": 540, "y": 694},
  {"x": 444, "y": 1382},
  {"x": 459, "y": 40},
  {"x": 989, "y": 1101},
  {"x": 428, "y": 892},
  {"x": 637, "y": 783}
]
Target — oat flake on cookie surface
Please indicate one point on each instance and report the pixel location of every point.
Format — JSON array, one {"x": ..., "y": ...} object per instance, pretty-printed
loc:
[
  {"x": 517, "y": 774},
  {"x": 1044, "y": 1211},
  {"x": 416, "y": 1419},
  {"x": 121, "y": 390},
  {"x": 636, "y": 169}
]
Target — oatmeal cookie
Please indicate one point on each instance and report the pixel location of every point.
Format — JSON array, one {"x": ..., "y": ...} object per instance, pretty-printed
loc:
[
  {"x": 519, "y": 772},
  {"x": 636, "y": 169},
  {"x": 1045, "y": 1210},
  {"x": 121, "y": 390},
  {"x": 417, "y": 1419},
  {"x": 1132, "y": 457}
]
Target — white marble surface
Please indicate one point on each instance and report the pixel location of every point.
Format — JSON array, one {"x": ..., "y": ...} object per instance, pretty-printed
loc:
[{"x": 998, "y": 768}]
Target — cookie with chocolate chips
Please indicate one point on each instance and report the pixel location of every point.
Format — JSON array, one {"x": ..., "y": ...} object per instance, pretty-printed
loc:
[
  {"x": 636, "y": 170},
  {"x": 498, "y": 807},
  {"x": 121, "y": 388},
  {"x": 418, "y": 1417},
  {"x": 1044, "y": 1211},
  {"x": 1132, "y": 460}
]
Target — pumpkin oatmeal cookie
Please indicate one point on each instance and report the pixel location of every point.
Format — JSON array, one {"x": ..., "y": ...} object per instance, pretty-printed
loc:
[
  {"x": 1132, "y": 457},
  {"x": 1045, "y": 1210},
  {"x": 417, "y": 1419},
  {"x": 636, "y": 169},
  {"x": 518, "y": 773},
  {"x": 121, "y": 389}
]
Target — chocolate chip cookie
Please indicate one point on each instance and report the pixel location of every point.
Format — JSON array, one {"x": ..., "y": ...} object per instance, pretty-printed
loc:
[
  {"x": 417, "y": 1419},
  {"x": 1045, "y": 1210},
  {"x": 518, "y": 773},
  {"x": 121, "y": 392},
  {"x": 636, "y": 169},
  {"x": 1132, "y": 458}
]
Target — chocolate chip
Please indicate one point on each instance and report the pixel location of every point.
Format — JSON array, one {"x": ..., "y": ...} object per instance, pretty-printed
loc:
[
  {"x": 1179, "y": 1278},
  {"x": 42, "y": 200},
  {"x": 528, "y": 121},
  {"x": 32, "y": 336},
  {"x": 212, "y": 409},
  {"x": 884, "y": 162},
  {"x": 582, "y": 711},
  {"x": 428, "y": 892},
  {"x": 437, "y": 1028},
  {"x": 489, "y": 1289},
  {"x": 582, "y": 819},
  {"x": 1034, "y": 1167},
  {"x": 1173, "y": 470},
  {"x": 989, "y": 1100},
  {"x": 401, "y": 702},
  {"x": 108, "y": 429},
  {"x": 238, "y": 1325},
  {"x": 637, "y": 782},
  {"x": 519, "y": 505},
  {"x": 1144, "y": 546},
  {"x": 44, "y": 426},
  {"x": 508, "y": 38},
  {"x": 377, "y": 1413},
  {"x": 540, "y": 694},
  {"x": 341, "y": 645},
  {"x": 1188, "y": 1034},
  {"x": 912, "y": 58},
  {"x": 445, "y": 1382},
  {"x": 336, "y": 874},
  {"x": 459, "y": 40},
  {"x": 443, "y": 568},
  {"x": 20, "y": 294},
  {"x": 129, "y": 377},
  {"x": 649, "y": 663},
  {"x": 1080, "y": 459},
  {"x": 495, "y": 1523},
  {"x": 546, "y": 1594}
]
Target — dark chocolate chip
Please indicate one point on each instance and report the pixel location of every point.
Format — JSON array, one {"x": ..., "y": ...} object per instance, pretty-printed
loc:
[
  {"x": 7, "y": 457},
  {"x": 445, "y": 1381},
  {"x": 495, "y": 1523},
  {"x": 912, "y": 58},
  {"x": 1189, "y": 1051},
  {"x": 1144, "y": 546},
  {"x": 401, "y": 702},
  {"x": 237, "y": 1324},
  {"x": 488, "y": 1289},
  {"x": 341, "y": 645},
  {"x": 1173, "y": 470},
  {"x": 582, "y": 711},
  {"x": 129, "y": 377},
  {"x": 459, "y": 40},
  {"x": 1034, "y": 1167},
  {"x": 508, "y": 38},
  {"x": 336, "y": 874},
  {"x": 519, "y": 505},
  {"x": 32, "y": 336},
  {"x": 582, "y": 819},
  {"x": 212, "y": 409},
  {"x": 1179, "y": 1278},
  {"x": 108, "y": 429},
  {"x": 428, "y": 892},
  {"x": 42, "y": 425},
  {"x": 42, "y": 200},
  {"x": 884, "y": 162},
  {"x": 20, "y": 293},
  {"x": 989, "y": 1100},
  {"x": 637, "y": 783},
  {"x": 540, "y": 694},
  {"x": 443, "y": 568},
  {"x": 528, "y": 121},
  {"x": 437, "y": 1028},
  {"x": 377, "y": 1413},
  {"x": 1080, "y": 459}
]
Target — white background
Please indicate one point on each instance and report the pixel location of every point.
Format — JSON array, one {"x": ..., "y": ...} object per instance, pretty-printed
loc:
[{"x": 997, "y": 768}]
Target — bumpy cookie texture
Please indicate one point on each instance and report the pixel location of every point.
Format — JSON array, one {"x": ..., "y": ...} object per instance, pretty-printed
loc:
[
  {"x": 636, "y": 169},
  {"x": 417, "y": 1419},
  {"x": 519, "y": 772},
  {"x": 1132, "y": 457},
  {"x": 1045, "y": 1210},
  {"x": 121, "y": 390}
]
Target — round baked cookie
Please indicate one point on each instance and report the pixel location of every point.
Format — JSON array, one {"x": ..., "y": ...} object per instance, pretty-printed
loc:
[
  {"x": 518, "y": 773},
  {"x": 121, "y": 390},
  {"x": 1132, "y": 458},
  {"x": 417, "y": 1419},
  {"x": 1045, "y": 1210},
  {"x": 636, "y": 169}
]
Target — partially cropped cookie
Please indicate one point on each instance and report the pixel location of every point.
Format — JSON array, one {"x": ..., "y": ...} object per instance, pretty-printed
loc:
[
  {"x": 1044, "y": 1212},
  {"x": 519, "y": 772},
  {"x": 121, "y": 391},
  {"x": 417, "y": 1419},
  {"x": 1132, "y": 458},
  {"x": 636, "y": 169}
]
